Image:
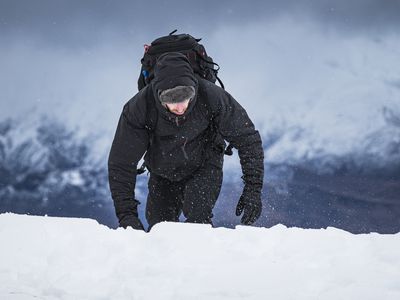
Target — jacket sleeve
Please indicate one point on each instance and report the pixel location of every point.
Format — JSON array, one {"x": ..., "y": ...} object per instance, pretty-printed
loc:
[
  {"x": 129, "y": 145},
  {"x": 236, "y": 127}
]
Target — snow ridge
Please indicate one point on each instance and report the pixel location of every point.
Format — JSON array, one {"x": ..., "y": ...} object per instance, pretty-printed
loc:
[{"x": 58, "y": 258}]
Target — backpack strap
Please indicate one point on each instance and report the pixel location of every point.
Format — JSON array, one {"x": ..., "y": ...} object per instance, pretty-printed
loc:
[
  {"x": 150, "y": 125},
  {"x": 207, "y": 66},
  {"x": 151, "y": 117},
  {"x": 210, "y": 114}
]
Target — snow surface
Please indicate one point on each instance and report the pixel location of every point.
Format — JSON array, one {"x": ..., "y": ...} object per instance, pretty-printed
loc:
[{"x": 66, "y": 258}]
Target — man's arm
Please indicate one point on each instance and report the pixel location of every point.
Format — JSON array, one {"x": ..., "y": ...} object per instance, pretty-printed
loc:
[
  {"x": 236, "y": 127},
  {"x": 129, "y": 145}
]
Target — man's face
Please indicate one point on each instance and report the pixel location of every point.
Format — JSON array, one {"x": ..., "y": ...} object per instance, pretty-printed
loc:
[{"x": 178, "y": 108}]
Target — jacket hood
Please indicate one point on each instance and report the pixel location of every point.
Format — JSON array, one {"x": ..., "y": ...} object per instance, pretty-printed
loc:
[{"x": 173, "y": 69}]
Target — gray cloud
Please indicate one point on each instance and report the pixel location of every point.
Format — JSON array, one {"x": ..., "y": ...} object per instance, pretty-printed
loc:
[
  {"x": 84, "y": 22},
  {"x": 395, "y": 83}
]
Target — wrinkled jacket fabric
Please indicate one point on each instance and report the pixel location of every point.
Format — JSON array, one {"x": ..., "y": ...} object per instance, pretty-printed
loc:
[{"x": 180, "y": 145}]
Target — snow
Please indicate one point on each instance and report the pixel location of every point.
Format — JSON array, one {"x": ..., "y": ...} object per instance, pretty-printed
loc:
[{"x": 67, "y": 258}]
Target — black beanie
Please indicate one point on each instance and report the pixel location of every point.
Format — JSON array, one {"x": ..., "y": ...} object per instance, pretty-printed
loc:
[{"x": 173, "y": 69}]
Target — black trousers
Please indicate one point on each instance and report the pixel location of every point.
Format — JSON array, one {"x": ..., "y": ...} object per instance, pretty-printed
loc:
[{"x": 195, "y": 197}]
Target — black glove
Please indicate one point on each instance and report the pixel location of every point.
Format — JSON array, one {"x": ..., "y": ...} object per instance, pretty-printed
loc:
[
  {"x": 131, "y": 221},
  {"x": 127, "y": 214},
  {"x": 250, "y": 203}
]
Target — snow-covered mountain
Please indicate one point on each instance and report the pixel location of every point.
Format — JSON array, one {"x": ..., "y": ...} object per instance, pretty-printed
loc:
[
  {"x": 59, "y": 258},
  {"x": 47, "y": 168}
]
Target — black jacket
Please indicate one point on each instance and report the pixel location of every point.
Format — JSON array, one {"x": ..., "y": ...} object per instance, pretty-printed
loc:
[{"x": 179, "y": 145}]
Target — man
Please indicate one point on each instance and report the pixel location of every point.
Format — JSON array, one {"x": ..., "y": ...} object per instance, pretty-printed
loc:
[{"x": 184, "y": 151}]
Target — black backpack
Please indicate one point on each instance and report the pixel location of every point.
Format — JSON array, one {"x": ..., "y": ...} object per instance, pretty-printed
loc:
[{"x": 186, "y": 44}]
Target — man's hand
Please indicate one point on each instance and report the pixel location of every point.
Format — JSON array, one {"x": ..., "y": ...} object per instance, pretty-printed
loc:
[
  {"x": 250, "y": 203},
  {"x": 127, "y": 214},
  {"x": 131, "y": 221}
]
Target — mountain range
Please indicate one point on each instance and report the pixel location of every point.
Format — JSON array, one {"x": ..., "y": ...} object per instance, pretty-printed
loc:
[{"x": 48, "y": 169}]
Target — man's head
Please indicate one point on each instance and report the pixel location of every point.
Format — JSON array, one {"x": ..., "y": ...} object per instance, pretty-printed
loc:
[{"x": 174, "y": 82}]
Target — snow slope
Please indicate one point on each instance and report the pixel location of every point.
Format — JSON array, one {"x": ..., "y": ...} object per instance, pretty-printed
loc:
[{"x": 60, "y": 258}]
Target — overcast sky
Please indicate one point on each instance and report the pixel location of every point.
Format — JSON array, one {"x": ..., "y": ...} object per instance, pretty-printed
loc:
[
  {"x": 318, "y": 72},
  {"x": 76, "y": 23}
]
